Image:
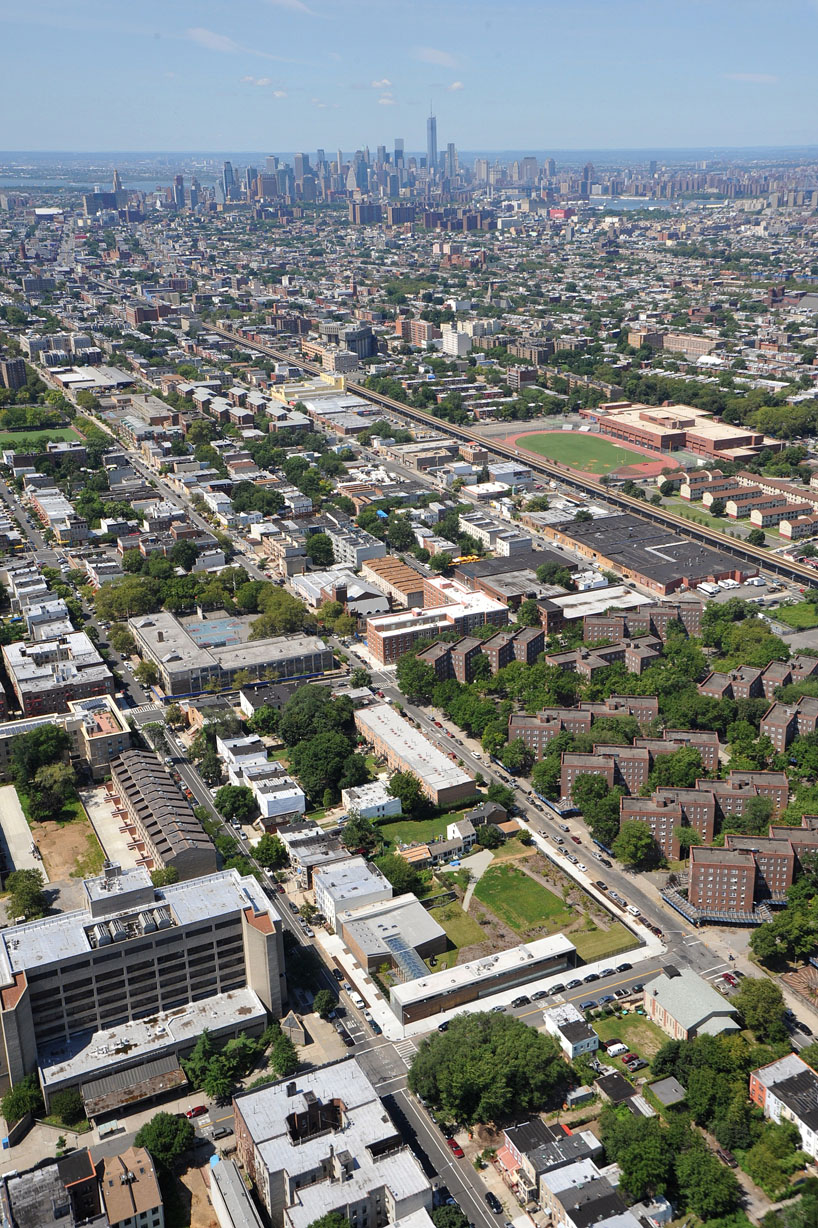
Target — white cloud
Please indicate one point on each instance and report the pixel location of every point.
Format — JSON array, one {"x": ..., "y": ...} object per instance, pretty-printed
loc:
[
  {"x": 386, "y": 100},
  {"x": 381, "y": 85},
  {"x": 432, "y": 55},
  {"x": 279, "y": 93},
  {"x": 212, "y": 41},
  {"x": 752, "y": 78},
  {"x": 455, "y": 85},
  {"x": 264, "y": 81}
]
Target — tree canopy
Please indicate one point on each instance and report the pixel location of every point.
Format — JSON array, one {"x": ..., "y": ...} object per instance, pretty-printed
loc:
[
  {"x": 486, "y": 1066},
  {"x": 166, "y": 1136}
]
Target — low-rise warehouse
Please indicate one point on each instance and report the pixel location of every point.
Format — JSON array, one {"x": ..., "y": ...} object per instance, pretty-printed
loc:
[{"x": 406, "y": 750}]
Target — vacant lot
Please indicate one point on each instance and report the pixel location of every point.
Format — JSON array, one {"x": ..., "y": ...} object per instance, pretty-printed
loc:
[
  {"x": 587, "y": 453},
  {"x": 11, "y": 439},
  {"x": 596, "y": 944},
  {"x": 413, "y": 831},
  {"x": 803, "y": 615},
  {"x": 520, "y": 901},
  {"x": 638, "y": 1033},
  {"x": 461, "y": 930}
]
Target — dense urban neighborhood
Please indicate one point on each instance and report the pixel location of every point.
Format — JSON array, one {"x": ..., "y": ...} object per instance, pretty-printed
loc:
[{"x": 409, "y": 684}]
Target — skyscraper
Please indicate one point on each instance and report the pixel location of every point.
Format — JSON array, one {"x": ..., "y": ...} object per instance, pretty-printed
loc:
[
  {"x": 227, "y": 180},
  {"x": 194, "y": 193},
  {"x": 451, "y": 160},
  {"x": 301, "y": 166},
  {"x": 178, "y": 191},
  {"x": 398, "y": 151},
  {"x": 431, "y": 144}
]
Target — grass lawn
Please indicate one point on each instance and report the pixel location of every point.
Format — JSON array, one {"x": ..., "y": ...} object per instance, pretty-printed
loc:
[
  {"x": 638, "y": 1033},
  {"x": 511, "y": 849},
  {"x": 696, "y": 512},
  {"x": 520, "y": 901},
  {"x": 461, "y": 930},
  {"x": 587, "y": 453},
  {"x": 413, "y": 831},
  {"x": 596, "y": 944},
  {"x": 10, "y": 439},
  {"x": 803, "y": 615}
]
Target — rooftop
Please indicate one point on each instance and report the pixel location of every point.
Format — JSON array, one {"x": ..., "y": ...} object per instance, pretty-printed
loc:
[{"x": 417, "y": 754}]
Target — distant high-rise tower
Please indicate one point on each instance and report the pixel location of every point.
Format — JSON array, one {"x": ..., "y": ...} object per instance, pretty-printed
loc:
[
  {"x": 272, "y": 164},
  {"x": 228, "y": 181},
  {"x": 250, "y": 176},
  {"x": 301, "y": 166},
  {"x": 340, "y": 156},
  {"x": 550, "y": 168},
  {"x": 178, "y": 191},
  {"x": 451, "y": 160},
  {"x": 398, "y": 151},
  {"x": 194, "y": 193},
  {"x": 117, "y": 183},
  {"x": 431, "y": 144}
]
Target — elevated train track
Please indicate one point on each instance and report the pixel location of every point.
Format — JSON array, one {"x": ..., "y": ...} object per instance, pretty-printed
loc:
[{"x": 585, "y": 484}]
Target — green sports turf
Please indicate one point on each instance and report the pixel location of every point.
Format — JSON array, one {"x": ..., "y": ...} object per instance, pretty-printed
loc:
[
  {"x": 587, "y": 453},
  {"x": 11, "y": 439}
]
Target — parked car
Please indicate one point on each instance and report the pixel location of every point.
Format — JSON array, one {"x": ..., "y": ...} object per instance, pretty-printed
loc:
[
  {"x": 605, "y": 999},
  {"x": 494, "y": 1202},
  {"x": 639, "y": 1064},
  {"x": 630, "y": 1057},
  {"x": 541, "y": 993},
  {"x": 575, "y": 984},
  {"x": 523, "y": 1000},
  {"x": 727, "y": 1157},
  {"x": 576, "y": 840},
  {"x": 600, "y": 885},
  {"x": 802, "y": 1027},
  {"x": 558, "y": 988},
  {"x": 221, "y": 1132},
  {"x": 608, "y": 972},
  {"x": 622, "y": 993},
  {"x": 588, "y": 1005},
  {"x": 592, "y": 976},
  {"x": 728, "y": 978},
  {"x": 626, "y": 967},
  {"x": 338, "y": 974},
  {"x": 637, "y": 987},
  {"x": 444, "y": 1026},
  {"x": 196, "y": 1111},
  {"x": 455, "y": 1148}
]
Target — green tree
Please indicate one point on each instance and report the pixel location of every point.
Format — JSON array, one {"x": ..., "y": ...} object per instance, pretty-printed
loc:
[
  {"x": 487, "y": 1066},
  {"x": 31, "y": 751},
  {"x": 310, "y": 708},
  {"x": 281, "y": 614},
  {"x": 761, "y": 1004},
  {"x": 264, "y": 720},
  {"x": 407, "y": 788},
  {"x": 635, "y": 845},
  {"x": 318, "y": 547},
  {"x": 284, "y": 1056},
  {"x": 271, "y": 852},
  {"x": 319, "y": 762},
  {"x": 68, "y": 1106},
  {"x": 403, "y": 877},
  {"x": 757, "y": 537},
  {"x": 360, "y": 677},
  {"x": 708, "y": 1188},
  {"x": 516, "y": 756},
  {"x": 416, "y": 679},
  {"x": 333, "y": 1219},
  {"x": 528, "y": 614},
  {"x": 718, "y": 508},
  {"x": 236, "y": 802},
  {"x": 24, "y": 1097},
  {"x": 165, "y": 877},
  {"x": 146, "y": 674},
  {"x": 174, "y": 716},
  {"x": 26, "y": 897},
  {"x": 195, "y": 1065},
  {"x": 324, "y": 1003},
  {"x": 360, "y": 833},
  {"x": 166, "y": 1137},
  {"x": 489, "y": 836},
  {"x": 121, "y": 639},
  {"x": 501, "y": 794},
  {"x": 643, "y": 1151},
  {"x": 441, "y": 562},
  {"x": 449, "y": 1217},
  {"x": 218, "y": 1081},
  {"x": 184, "y": 554}
]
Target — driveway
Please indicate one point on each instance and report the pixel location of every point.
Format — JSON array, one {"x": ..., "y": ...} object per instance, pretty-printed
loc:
[{"x": 476, "y": 864}]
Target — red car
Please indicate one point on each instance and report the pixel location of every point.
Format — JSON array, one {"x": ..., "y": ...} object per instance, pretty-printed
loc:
[
  {"x": 196, "y": 1111},
  {"x": 457, "y": 1150},
  {"x": 576, "y": 840},
  {"x": 630, "y": 1057},
  {"x": 729, "y": 978}
]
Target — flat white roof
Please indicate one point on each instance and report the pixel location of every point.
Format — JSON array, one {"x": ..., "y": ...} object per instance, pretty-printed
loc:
[
  {"x": 417, "y": 754},
  {"x": 481, "y": 969}
]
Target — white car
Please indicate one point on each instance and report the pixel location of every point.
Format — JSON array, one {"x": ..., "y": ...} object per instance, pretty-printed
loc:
[{"x": 581, "y": 867}]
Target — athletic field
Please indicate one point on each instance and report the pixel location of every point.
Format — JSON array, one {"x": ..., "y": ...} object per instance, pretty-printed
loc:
[{"x": 585, "y": 453}]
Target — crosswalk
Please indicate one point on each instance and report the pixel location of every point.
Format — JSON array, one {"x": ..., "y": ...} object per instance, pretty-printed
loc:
[
  {"x": 406, "y": 1050},
  {"x": 153, "y": 709}
]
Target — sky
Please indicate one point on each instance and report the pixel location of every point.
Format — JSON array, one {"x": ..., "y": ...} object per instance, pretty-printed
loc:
[{"x": 275, "y": 75}]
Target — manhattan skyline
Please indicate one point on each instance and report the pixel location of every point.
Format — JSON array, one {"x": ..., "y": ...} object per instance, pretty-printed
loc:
[{"x": 306, "y": 73}]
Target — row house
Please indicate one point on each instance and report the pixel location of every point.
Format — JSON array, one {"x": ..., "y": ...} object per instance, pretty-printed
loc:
[
  {"x": 733, "y": 794},
  {"x": 636, "y": 655},
  {"x": 458, "y": 660},
  {"x": 643, "y": 708},
  {"x": 773, "y": 513},
  {"x": 666, "y": 810},
  {"x": 631, "y": 765}
]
